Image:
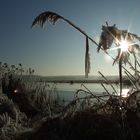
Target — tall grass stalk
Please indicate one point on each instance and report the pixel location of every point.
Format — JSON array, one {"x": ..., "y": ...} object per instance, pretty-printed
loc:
[
  {"x": 130, "y": 79},
  {"x": 108, "y": 82},
  {"x": 120, "y": 76}
]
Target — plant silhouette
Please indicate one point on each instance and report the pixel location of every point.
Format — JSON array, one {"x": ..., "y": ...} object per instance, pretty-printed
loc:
[
  {"x": 110, "y": 36},
  {"x": 52, "y": 17}
]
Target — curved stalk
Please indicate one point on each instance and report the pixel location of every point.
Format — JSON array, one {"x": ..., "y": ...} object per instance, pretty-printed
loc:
[
  {"x": 80, "y": 30},
  {"x": 53, "y": 17}
]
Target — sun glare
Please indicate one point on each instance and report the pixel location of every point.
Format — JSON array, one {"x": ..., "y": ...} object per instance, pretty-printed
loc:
[
  {"x": 124, "y": 46},
  {"x": 125, "y": 92}
]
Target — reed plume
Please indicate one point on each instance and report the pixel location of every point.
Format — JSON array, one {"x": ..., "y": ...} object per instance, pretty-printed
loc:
[{"x": 52, "y": 17}]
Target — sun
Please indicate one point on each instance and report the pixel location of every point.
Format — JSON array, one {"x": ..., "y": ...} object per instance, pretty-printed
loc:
[{"x": 124, "y": 46}]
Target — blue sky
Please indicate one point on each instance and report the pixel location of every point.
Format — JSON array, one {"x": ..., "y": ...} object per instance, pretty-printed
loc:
[{"x": 60, "y": 49}]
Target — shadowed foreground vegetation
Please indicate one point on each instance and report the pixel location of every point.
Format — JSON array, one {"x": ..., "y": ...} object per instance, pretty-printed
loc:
[{"x": 34, "y": 111}]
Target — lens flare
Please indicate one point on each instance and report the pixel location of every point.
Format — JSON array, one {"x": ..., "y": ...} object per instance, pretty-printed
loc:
[
  {"x": 124, "y": 46},
  {"x": 16, "y": 91}
]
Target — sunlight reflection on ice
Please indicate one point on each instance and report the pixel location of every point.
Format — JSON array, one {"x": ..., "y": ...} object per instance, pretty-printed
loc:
[{"x": 125, "y": 92}]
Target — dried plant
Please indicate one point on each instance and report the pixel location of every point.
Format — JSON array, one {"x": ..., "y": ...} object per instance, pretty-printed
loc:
[
  {"x": 7, "y": 106},
  {"x": 44, "y": 17},
  {"x": 12, "y": 121},
  {"x": 87, "y": 58},
  {"x": 112, "y": 35}
]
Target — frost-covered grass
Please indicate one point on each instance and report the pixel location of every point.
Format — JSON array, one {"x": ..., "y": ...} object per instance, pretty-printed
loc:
[{"x": 37, "y": 112}]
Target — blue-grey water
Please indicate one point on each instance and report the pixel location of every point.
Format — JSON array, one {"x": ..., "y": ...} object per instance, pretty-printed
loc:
[{"x": 67, "y": 91}]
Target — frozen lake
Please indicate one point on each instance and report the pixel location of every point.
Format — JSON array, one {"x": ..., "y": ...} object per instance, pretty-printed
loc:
[{"x": 67, "y": 91}]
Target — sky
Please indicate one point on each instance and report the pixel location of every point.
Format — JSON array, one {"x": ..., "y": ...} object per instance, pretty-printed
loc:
[{"x": 60, "y": 49}]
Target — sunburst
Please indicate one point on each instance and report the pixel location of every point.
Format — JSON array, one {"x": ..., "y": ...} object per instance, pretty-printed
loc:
[{"x": 125, "y": 45}]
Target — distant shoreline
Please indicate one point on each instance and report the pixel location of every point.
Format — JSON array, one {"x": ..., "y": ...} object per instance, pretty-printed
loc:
[
  {"x": 76, "y": 79},
  {"x": 82, "y": 79},
  {"x": 87, "y": 81}
]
